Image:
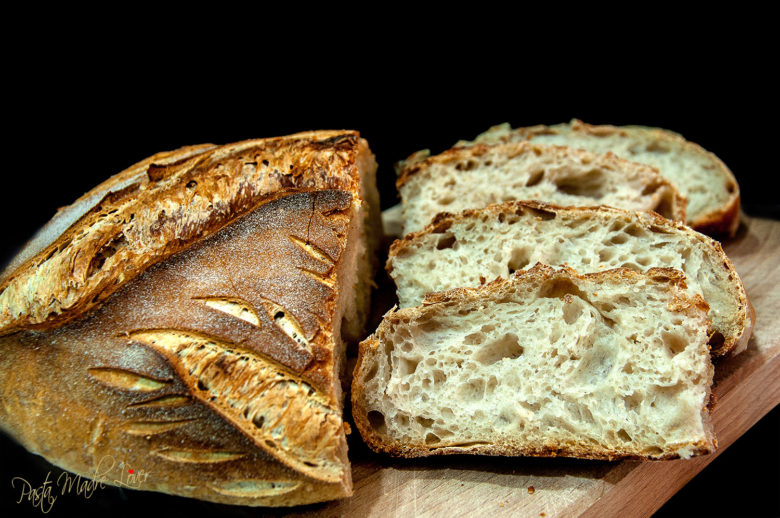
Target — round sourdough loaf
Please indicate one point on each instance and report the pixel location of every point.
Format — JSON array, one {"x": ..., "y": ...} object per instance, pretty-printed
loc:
[{"x": 188, "y": 318}]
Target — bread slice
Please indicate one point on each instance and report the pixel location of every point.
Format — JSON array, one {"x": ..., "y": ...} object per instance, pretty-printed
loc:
[
  {"x": 479, "y": 245},
  {"x": 709, "y": 185},
  {"x": 189, "y": 318},
  {"x": 473, "y": 177},
  {"x": 607, "y": 365}
]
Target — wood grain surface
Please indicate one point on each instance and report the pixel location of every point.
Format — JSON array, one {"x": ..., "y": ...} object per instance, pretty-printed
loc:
[{"x": 746, "y": 387}]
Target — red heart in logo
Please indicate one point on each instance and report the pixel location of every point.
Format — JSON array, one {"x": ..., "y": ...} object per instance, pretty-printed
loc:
[{"x": 130, "y": 470}]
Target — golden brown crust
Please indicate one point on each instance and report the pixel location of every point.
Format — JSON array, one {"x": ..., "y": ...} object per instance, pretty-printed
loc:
[
  {"x": 746, "y": 318},
  {"x": 204, "y": 345},
  {"x": 213, "y": 370},
  {"x": 539, "y": 273},
  {"x": 179, "y": 197},
  {"x": 722, "y": 222},
  {"x": 66, "y": 216}
]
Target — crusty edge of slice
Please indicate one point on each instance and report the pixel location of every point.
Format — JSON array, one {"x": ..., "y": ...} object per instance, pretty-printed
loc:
[
  {"x": 444, "y": 220},
  {"x": 723, "y": 222},
  {"x": 395, "y": 448}
]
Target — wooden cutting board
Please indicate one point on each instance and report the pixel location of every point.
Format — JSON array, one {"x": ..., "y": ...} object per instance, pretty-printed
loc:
[{"x": 746, "y": 387}]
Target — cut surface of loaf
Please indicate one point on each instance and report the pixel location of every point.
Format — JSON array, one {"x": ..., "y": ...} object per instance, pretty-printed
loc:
[
  {"x": 476, "y": 176},
  {"x": 707, "y": 183},
  {"x": 211, "y": 353},
  {"x": 476, "y": 246},
  {"x": 606, "y": 365}
]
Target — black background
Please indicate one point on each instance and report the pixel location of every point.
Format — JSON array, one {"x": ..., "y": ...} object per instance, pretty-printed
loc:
[{"x": 72, "y": 122}]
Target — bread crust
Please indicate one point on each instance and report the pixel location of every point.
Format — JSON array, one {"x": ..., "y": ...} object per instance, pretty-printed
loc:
[
  {"x": 68, "y": 215},
  {"x": 183, "y": 373},
  {"x": 165, "y": 204},
  {"x": 209, "y": 356},
  {"x": 720, "y": 222},
  {"x": 683, "y": 303},
  {"x": 746, "y": 313}
]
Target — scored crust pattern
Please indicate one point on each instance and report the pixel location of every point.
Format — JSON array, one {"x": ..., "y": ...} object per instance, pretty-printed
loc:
[
  {"x": 132, "y": 382},
  {"x": 163, "y": 210},
  {"x": 240, "y": 347},
  {"x": 263, "y": 400},
  {"x": 216, "y": 353}
]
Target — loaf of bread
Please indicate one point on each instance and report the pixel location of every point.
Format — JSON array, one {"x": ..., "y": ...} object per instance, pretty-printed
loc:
[
  {"x": 606, "y": 365},
  {"x": 188, "y": 317},
  {"x": 476, "y": 176},
  {"x": 707, "y": 183},
  {"x": 476, "y": 246}
]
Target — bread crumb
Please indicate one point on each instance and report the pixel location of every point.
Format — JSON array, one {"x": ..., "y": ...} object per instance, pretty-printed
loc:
[
  {"x": 501, "y": 504},
  {"x": 542, "y": 514},
  {"x": 531, "y": 490}
]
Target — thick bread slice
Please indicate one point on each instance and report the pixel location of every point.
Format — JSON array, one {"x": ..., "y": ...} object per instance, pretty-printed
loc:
[
  {"x": 604, "y": 366},
  {"x": 709, "y": 185},
  {"x": 473, "y": 177},
  {"x": 480, "y": 245},
  {"x": 193, "y": 323}
]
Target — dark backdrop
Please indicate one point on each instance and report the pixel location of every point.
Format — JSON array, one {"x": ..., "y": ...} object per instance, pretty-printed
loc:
[
  {"x": 72, "y": 124},
  {"x": 64, "y": 140}
]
